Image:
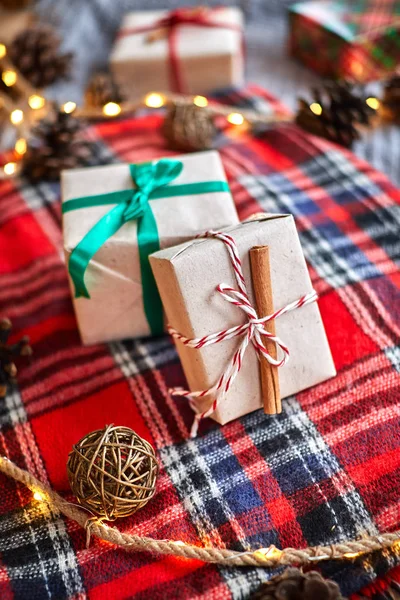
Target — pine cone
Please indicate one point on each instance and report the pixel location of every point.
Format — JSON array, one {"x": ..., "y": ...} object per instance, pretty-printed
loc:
[
  {"x": 391, "y": 99},
  {"x": 8, "y": 352},
  {"x": 35, "y": 53},
  {"x": 335, "y": 113},
  {"x": 293, "y": 584},
  {"x": 188, "y": 127},
  {"x": 55, "y": 145},
  {"x": 101, "y": 90}
]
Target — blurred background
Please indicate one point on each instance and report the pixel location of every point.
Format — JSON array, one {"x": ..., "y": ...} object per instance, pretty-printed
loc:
[{"x": 88, "y": 29}]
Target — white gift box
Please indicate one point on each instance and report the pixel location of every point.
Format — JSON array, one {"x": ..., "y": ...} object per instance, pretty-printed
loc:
[
  {"x": 207, "y": 58},
  {"x": 187, "y": 277},
  {"x": 115, "y": 309}
]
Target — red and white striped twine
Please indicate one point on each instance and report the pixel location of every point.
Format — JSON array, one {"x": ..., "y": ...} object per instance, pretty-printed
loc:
[{"x": 252, "y": 331}]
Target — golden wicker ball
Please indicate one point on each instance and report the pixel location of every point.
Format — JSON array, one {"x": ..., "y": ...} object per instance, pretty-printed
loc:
[{"x": 112, "y": 472}]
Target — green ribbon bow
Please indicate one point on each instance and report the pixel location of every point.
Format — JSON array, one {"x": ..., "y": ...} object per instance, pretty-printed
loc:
[{"x": 151, "y": 181}]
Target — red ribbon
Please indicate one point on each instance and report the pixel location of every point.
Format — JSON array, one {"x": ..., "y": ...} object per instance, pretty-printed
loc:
[{"x": 171, "y": 22}]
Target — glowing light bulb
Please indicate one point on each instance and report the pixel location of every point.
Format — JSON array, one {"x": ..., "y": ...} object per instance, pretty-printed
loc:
[
  {"x": 20, "y": 146},
  {"x": 235, "y": 119},
  {"x": 351, "y": 554},
  {"x": 200, "y": 101},
  {"x": 111, "y": 109},
  {"x": 373, "y": 103},
  {"x": 38, "y": 496},
  {"x": 10, "y": 168},
  {"x": 17, "y": 116},
  {"x": 69, "y": 107},
  {"x": 357, "y": 68},
  {"x": 316, "y": 108},
  {"x": 9, "y": 77},
  {"x": 36, "y": 102},
  {"x": 271, "y": 553},
  {"x": 3, "y": 50},
  {"x": 154, "y": 100}
]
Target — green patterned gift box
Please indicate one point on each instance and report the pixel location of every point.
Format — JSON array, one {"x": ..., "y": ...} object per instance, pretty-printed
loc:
[{"x": 358, "y": 39}]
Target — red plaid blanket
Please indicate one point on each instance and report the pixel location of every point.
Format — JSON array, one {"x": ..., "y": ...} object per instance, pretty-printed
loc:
[{"x": 326, "y": 469}]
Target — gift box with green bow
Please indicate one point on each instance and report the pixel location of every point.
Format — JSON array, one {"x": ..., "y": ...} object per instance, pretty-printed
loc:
[{"x": 115, "y": 216}]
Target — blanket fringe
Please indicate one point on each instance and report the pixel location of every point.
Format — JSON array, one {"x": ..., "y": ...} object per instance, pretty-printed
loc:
[{"x": 262, "y": 557}]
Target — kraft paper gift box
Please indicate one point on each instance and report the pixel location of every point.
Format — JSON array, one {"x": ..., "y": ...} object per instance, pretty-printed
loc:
[
  {"x": 186, "y": 57},
  {"x": 346, "y": 38},
  {"x": 187, "y": 277},
  {"x": 124, "y": 301}
]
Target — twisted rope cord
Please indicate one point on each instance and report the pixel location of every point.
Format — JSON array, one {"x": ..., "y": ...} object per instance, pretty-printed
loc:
[
  {"x": 263, "y": 557},
  {"x": 252, "y": 331}
]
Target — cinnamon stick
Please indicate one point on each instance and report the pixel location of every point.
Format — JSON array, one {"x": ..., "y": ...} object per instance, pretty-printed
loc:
[{"x": 261, "y": 277}]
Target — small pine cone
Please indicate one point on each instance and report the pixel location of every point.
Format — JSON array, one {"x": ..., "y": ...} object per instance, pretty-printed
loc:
[
  {"x": 8, "y": 353},
  {"x": 293, "y": 584},
  {"x": 35, "y": 52},
  {"x": 55, "y": 145},
  {"x": 391, "y": 99},
  {"x": 41, "y": 164},
  {"x": 335, "y": 113},
  {"x": 102, "y": 89},
  {"x": 188, "y": 128}
]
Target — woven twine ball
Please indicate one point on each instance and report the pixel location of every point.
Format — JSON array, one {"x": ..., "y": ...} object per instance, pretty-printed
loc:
[{"x": 112, "y": 472}]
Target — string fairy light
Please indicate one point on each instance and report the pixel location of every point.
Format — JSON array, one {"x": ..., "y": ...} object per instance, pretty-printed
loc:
[
  {"x": 316, "y": 108},
  {"x": 10, "y": 168},
  {"x": 20, "y": 146},
  {"x": 16, "y": 116},
  {"x": 352, "y": 555},
  {"x": 154, "y": 100},
  {"x": 23, "y": 106},
  {"x": 373, "y": 103},
  {"x": 38, "y": 496},
  {"x": 263, "y": 557},
  {"x": 36, "y": 102},
  {"x": 69, "y": 107},
  {"x": 235, "y": 118},
  {"x": 9, "y": 77},
  {"x": 357, "y": 68},
  {"x": 158, "y": 100},
  {"x": 268, "y": 553},
  {"x": 111, "y": 109},
  {"x": 200, "y": 101}
]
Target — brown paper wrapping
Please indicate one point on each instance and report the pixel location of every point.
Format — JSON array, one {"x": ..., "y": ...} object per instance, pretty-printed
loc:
[
  {"x": 209, "y": 58},
  {"x": 115, "y": 308},
  {"x": 187, "y": 276}
]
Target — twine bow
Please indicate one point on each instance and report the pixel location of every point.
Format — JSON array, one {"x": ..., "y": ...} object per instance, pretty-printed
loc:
[
  {"x": 168, "y": 26},
  {"x": 151, "y": 181},
  {"x": 252, "y": 331}
]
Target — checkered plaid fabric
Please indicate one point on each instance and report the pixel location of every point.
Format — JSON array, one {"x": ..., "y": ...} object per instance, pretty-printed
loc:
[
  {"x": 326, "y": 469},
  {"x": 366, "y": 16}
]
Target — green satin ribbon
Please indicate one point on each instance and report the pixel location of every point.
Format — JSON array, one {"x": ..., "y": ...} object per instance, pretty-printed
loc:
[{"x": 151, "y": 181}]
